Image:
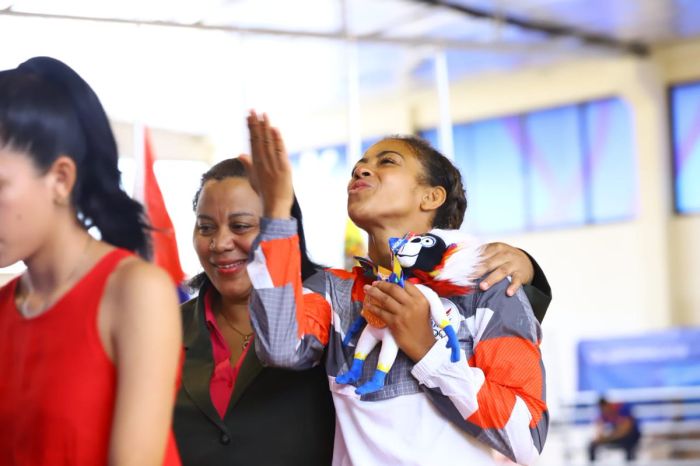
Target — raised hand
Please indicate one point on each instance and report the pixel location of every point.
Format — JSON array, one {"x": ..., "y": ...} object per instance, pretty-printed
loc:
[{"x": 269, "y": 167}]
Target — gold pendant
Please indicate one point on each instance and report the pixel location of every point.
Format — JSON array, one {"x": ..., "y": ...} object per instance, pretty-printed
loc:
[{"x": 246, "y": 340}]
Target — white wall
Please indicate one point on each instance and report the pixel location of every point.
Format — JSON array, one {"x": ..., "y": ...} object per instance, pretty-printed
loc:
[{"x": 678, "y": 64}]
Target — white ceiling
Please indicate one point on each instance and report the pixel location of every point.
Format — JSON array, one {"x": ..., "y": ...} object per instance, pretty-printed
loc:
[{"x": 195, "y": 66}]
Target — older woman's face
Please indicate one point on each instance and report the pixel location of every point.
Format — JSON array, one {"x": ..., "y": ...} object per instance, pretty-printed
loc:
[{"x": 228, "y": 220}]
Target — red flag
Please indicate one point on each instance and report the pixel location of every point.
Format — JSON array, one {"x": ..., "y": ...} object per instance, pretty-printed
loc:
[{"x": 163, "y": 235}]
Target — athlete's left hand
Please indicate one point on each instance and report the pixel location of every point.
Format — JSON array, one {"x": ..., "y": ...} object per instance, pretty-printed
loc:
[{"x": 406, "y": 313}]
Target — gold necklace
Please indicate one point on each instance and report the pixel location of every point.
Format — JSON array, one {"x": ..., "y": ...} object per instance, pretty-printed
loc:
[
  {"x": 246, "y": 337},
  {"x": 48, "y": 301}
]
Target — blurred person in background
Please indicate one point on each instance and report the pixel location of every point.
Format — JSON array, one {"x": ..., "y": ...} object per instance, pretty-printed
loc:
[{"x": 616, "y": 427}]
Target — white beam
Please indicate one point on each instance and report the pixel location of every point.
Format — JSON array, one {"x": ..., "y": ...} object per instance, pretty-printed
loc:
[{"x": 494, "y": 47}]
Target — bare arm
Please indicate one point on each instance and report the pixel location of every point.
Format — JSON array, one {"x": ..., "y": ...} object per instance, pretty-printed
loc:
[{"x": 146, "y": 342}]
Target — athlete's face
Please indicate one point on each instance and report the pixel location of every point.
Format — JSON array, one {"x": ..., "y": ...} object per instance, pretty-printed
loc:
[{"x": 386, "y": 184}]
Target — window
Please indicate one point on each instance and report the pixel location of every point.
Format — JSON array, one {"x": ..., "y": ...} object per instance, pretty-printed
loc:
[
  {"x": 610, "y": 159},
  {"x": 685, "y": 116},
  {"x": 553, "y": 160},
  {"x": 320, "y": 181},
  {"x": 431, "y": 135},
  {"x": 369, "y": 142},
  {"x": 488, "y": 155},
  {"x": 178, "y": 181},
  {"x": 558, "y": 167}
]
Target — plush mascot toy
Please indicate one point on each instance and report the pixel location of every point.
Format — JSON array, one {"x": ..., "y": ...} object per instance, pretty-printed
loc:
[{"x": 439, "y": 263}]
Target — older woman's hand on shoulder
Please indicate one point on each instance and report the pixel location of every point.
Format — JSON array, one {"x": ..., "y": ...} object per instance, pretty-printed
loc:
[{"x": 501, "y": 260}]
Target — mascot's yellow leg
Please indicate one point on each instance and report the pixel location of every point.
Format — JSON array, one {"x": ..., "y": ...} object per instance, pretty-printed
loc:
[{"x": 387, "y": 356}]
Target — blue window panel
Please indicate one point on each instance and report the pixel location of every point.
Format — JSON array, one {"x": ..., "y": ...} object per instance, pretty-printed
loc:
[
  {"x": 611, "y": 163},
  {"x": 685, "y": 105},
  {"x": 489, "y": 157},
  {"x": 336, "y": 160},
  {"x": 465, "y": 161},
  {"x": 369, "y": 142},
  {"x": 430, "y": 135},
  {"x": 554, "y": 158},
  {"x": 329, "y": 161}
]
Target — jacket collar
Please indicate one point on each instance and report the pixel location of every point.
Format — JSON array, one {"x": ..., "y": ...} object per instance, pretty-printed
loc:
[{"x": 199, "y": 362}]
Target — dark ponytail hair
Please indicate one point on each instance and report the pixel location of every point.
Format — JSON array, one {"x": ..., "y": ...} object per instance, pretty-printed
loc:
[
  {"x": 48, "y": 110},
  {"x": 440, "y": 171},
  {"x": 234, "y": 168}
]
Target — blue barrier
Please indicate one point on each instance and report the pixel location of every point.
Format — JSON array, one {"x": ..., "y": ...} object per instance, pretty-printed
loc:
[{"x": 669, "y": 358}]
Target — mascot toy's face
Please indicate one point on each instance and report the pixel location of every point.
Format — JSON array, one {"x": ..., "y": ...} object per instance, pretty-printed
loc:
[{"x": 422, "y": 252}]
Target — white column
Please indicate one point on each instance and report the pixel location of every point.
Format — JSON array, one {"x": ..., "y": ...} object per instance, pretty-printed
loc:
[
  {"x": 354, "y": 147},
  {"x": 353, "y": 117},
  {"x": 442, "y": 82}
]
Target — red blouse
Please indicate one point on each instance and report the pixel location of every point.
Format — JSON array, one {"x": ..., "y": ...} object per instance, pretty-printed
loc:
[{"x": 224, "y": 377}]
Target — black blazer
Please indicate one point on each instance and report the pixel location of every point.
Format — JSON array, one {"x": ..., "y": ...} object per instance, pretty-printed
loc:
[
  {"x": 275, "y": 416},
  {"x": 539, "y": 293}
]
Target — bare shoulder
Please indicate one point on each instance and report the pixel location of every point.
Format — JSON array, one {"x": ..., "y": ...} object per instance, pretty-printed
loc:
[
  {"x": 139, "y": 304},
  {"x": 135, "y": 274},
  {"x": 136, "y": 284}
]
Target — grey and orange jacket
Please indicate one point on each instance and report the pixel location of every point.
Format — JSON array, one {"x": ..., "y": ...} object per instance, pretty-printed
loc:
[{"x": 493, "y": 397}]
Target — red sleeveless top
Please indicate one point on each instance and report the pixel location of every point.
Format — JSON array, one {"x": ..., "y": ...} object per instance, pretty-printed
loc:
[{"x": 57, "y": 384}]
